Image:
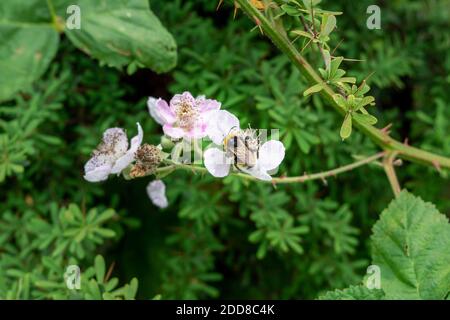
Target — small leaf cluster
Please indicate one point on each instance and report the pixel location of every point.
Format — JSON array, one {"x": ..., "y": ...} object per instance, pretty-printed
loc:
[{"x": 36, "y": 249}]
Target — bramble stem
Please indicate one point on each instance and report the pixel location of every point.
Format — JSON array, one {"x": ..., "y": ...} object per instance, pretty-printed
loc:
[
  {"x": 379, "y": 137},
  {"x": 282, "y": 180},
  {"x": 388, "y": 165}
]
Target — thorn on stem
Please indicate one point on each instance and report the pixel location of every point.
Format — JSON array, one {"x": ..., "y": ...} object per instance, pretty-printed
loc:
[
  {"x": 258, "y": 23},
  {"x": 436, "y": 165},
  {"x": 219, "y": 4},
  {"x": 405, "y": 142},
  {"x": 387, "y": 130}
]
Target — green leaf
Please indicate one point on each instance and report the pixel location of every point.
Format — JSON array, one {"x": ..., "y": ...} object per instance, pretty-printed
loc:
[
  {"x": 132, "y": 289},
  {"x": 105, "y": 216},
  {"x": 411, "y": 245},
  {"x": 347, "y": 80},
  {"x": 99, "y": 265},
  {"x": 28, "y": 45},
  {"x": 346, "y": 128},
  {"x": 94, "y": 290},
  {"x": 302, "y": 33},
  {"x": 353, "y": 293},
  {"x": 106, "y": 233},
  {"x": 365, "y": 101},
  {"x": 328, "y": 24},
  {"x": 340, "y": 100},
  {"x": 334, "y": 66},
  {"x": 290, "y": 10},
  {"x": 365, "y": 118},
  {"x": 315, "y": 88},
  {"x": 327, "y": 58},
  {"x": 119, "y": 33}
]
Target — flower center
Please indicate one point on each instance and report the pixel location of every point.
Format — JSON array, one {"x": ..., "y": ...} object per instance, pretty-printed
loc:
[{"x": 187, "y": 115}]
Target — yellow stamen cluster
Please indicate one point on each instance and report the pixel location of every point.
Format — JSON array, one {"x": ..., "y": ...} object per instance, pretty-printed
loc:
[{"x": 187, "y": 115}]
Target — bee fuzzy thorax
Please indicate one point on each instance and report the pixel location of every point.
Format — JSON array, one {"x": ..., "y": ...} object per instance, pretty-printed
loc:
[{"x": 242, "y": 146}]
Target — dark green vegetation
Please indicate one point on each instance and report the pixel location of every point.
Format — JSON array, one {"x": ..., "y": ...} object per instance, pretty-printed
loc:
[{"x": 226, "y": 238}]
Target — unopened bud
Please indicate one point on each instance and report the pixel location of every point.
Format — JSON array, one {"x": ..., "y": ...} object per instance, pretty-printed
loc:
[{"x": 166, "y": 143}]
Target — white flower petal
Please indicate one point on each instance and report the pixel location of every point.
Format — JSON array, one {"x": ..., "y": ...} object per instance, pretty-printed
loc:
[
  {"x": 173, "y": 132},
  {"x": 95, "y": 172},
  {"x": 137, "y": 140},
  {"x": 125, "y": 160},
  {"x": 114, "y": 142},
  {"x": 197, "y": 132},
  {"x": 160, "y": 111},
  {"x": 152, "y": 109},
  {"x": 205, "y": 105},
  {"x": 271, "y": 154},
  {"x": 258, "y": 173},
  {"x": 185, "y": 97},
  {"x": 221, "y": 123},
  {"x": 156, "y": 191},
  {"x": 216, "y": 162}
]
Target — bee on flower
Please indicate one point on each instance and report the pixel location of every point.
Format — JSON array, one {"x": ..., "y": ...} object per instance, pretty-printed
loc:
[{"x": 241, "y": 149}]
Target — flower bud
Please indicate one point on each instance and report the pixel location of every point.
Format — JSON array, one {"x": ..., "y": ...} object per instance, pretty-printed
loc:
[{"x": 166, "y": 142}]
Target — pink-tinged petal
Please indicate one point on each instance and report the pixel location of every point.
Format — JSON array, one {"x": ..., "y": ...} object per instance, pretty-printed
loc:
[
  {"x": 216, "y": 162},
  {"x": 156, "y": 191},
  {"x": 271, "y": 154},
  {"x": 152, "y": 109},
  {"x": 164, "y": 112},
  {"x": 97, "y": 174},
  {"x": 185, "y": 97},
  {"x": 220, "y": 124},
  {"x": 205, "y": 105},
  {"x": 173, "y": 132},
  {"x": 125, "y": 160},
  {"x": 199, "y": 131}
]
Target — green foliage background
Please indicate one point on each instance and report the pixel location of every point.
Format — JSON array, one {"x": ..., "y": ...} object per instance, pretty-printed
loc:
[{"x": 218, "y": 238}]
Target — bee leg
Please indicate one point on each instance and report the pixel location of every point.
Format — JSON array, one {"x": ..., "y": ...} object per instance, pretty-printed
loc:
[
  {"x": 238, "y": 169},
  {"x": 235, "y": 164}
]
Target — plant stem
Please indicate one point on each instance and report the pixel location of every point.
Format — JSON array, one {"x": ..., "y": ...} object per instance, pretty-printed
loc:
[
  {"x": 379, "y": 137},
  {"x": 282, "y": 180},
  {"x": 388, "y": 165},
  {"x": 56, "y": 23},
  {"x": 313, "y": 34},
  {"x": 330, "y": 173}
]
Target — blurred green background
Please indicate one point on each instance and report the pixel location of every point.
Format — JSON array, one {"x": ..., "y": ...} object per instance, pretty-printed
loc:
[{"x": 213, "y": 241}]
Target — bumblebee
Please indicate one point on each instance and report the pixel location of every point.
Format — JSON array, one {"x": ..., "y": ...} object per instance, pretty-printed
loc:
[{"x": 243, "y": 147}]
